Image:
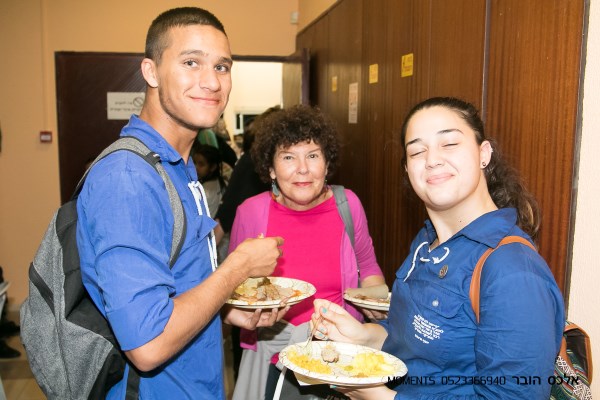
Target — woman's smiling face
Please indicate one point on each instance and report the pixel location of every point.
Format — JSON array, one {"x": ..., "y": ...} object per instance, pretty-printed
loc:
[
  {"x": 444, "y": 161},
  {"x": 300, "y": 171}
]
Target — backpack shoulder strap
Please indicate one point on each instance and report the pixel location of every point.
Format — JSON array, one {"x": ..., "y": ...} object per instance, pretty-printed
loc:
[
  {"x": 476, "y": 278},
  {"x": 136, "y": 146},
  {"x": 344, "y": 209},
  {"x": 578, "y": 341},
  {"x": 341, "y": 201}
]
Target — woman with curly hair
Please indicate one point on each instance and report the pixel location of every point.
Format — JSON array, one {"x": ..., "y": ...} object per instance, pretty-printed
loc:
[
  {"x": 296, "y": 149},
  {"x": 453, "y": 348}
]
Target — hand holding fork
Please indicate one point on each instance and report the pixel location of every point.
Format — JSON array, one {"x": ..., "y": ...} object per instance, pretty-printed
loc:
[{"x": 314, "y": 329}]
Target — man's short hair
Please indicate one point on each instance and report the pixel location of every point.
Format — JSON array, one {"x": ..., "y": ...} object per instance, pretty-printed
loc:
[{"x": 157, "y": 39}]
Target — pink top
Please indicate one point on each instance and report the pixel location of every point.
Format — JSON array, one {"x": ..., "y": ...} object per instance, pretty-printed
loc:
[
  {"x": 310, "y": 236},
  {"x": 252, "y": 218}
]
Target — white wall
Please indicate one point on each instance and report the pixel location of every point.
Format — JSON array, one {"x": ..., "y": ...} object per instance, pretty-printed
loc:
[
  {"x": 584, "y": 304},
  {"x": 256, "y": 87}
]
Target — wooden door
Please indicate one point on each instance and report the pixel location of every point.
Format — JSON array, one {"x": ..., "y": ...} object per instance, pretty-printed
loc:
[
  {"x": 518, "y": 61},
  {"x": 532, "y": 109},
  {"x": 84, "y": 130}
]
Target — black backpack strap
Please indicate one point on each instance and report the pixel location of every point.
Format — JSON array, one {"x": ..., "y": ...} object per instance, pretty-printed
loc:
[
  {"x": 344, "y": 209},
  {"x": 133, "y": 384},
  {"x": 136, "y": 146}
]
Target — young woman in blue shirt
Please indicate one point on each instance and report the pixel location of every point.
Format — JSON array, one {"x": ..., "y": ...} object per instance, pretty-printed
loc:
[{"x": 473, "y": 200}]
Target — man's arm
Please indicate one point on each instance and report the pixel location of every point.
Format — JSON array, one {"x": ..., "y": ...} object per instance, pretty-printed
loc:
[{"x": 194, "y": 309}]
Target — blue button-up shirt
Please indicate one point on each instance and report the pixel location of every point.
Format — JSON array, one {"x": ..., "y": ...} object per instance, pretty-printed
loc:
[
  {"x": 124, "y": 235},
  {"x": 432, "y": 327}
]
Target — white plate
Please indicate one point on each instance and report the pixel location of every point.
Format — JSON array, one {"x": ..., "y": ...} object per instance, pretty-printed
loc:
[
  {"x": 339, "y": 375},
  {"x": 306, "y": 290},
  {"x": 381, "y": 305}
]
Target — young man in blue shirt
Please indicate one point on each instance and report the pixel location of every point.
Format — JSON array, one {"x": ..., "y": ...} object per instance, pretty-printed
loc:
[{"x": 168, "y": 320}]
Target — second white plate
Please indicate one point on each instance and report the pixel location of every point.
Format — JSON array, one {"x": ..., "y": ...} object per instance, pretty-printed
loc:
[
  {"x": 371, "y": 304},
  {"x": 304, "y": 289}
]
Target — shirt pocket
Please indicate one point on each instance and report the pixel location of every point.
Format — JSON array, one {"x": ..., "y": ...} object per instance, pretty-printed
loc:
[
  {"x": 199, "y": 227},
  {"x": 194, "y": 264},
  {"x": 437, "y": 323},
  {"x": 435, "y": 298}
]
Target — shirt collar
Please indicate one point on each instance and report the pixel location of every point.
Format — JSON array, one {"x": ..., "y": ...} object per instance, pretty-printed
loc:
[
  {"x": 142, "y": 130},
  {"x": 488, "y": 229}
]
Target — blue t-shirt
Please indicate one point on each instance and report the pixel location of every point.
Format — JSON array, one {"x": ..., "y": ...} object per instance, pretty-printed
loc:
[
  {"x": 124, "y": 235},
  {"x": 432, "y": 327}
]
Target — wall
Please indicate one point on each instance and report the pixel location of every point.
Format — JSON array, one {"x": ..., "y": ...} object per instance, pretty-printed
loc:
[
  {"x": 353, "y": 36},
  {"x": 28, "y": 169},
  {"x": 256, "y": 87},
  {"x": 30, "y": 32},
  {"x": 583, "y": 309},
  {"x": 309, "y": 10}
]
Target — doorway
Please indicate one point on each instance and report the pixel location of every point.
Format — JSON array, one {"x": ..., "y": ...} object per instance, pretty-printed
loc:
[{"x": 91, "y": 86}]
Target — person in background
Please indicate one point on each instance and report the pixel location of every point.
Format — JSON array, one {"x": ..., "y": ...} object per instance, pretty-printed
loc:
[
  {"x": 243, "y": 183},
  {"x": 296, "y": 149},
  {"x": 207, "y": 160},
  {"x": 167, "y": 319},
  {"x": 216, "y": 137},
  {"x": 473, "y": 200},
  {"x": 8, "y": 328}
]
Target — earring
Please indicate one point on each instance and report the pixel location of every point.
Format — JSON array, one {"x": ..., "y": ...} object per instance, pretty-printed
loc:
[
  {"x": 274, "y": 188},
  {"x": 483, "y": 164}
]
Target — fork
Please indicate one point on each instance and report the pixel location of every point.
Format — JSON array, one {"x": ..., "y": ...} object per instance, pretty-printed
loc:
[{"x": 314, "y": 330}]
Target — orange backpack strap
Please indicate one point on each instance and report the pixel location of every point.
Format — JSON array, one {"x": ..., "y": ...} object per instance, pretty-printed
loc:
[
  {"x": 584, "y": 354},
  {"x": 476, "y": 279}
]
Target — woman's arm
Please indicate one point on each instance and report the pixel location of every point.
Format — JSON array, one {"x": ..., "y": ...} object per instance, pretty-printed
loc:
[
  {"x": 335, "y": 323},
  {"x": 363, "y": 244}
]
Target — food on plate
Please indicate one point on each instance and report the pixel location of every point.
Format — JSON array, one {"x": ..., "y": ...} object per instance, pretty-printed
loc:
[
  {"x": 375, "y": 293},
  {"x": 262, "y": 289},
  {"x": 369, "y": 364},
  {"x": 329, "y": 354},
  {"x": 331, "y": 362},
  {"x": 310, "y": 363},
  {"x": 367, "y": 298}
]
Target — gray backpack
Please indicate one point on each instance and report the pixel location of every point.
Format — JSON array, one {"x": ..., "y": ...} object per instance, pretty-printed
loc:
[
  {"x": 344, "y": 210},
  {"x": 70, "y": 346}
]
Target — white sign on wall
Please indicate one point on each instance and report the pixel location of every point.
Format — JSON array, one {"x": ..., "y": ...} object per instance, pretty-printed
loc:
[
  {"x": 353, "y": 103},
  {"x": 120, "y": 105}
]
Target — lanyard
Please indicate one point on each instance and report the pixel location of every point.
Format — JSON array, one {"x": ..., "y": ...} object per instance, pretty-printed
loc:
[{"x": 200, "y": 197}]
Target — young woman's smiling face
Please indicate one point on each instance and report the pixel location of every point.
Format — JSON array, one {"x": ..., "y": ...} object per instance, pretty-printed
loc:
[{"x": 443, "y": 159}]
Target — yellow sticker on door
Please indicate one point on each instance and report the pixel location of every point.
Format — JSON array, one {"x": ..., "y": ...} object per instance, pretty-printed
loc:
[{"x": 407, "y": 65}]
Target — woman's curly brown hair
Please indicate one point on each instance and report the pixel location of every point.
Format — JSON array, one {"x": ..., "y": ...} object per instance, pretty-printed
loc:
[{"x": 287, "y": 127}]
